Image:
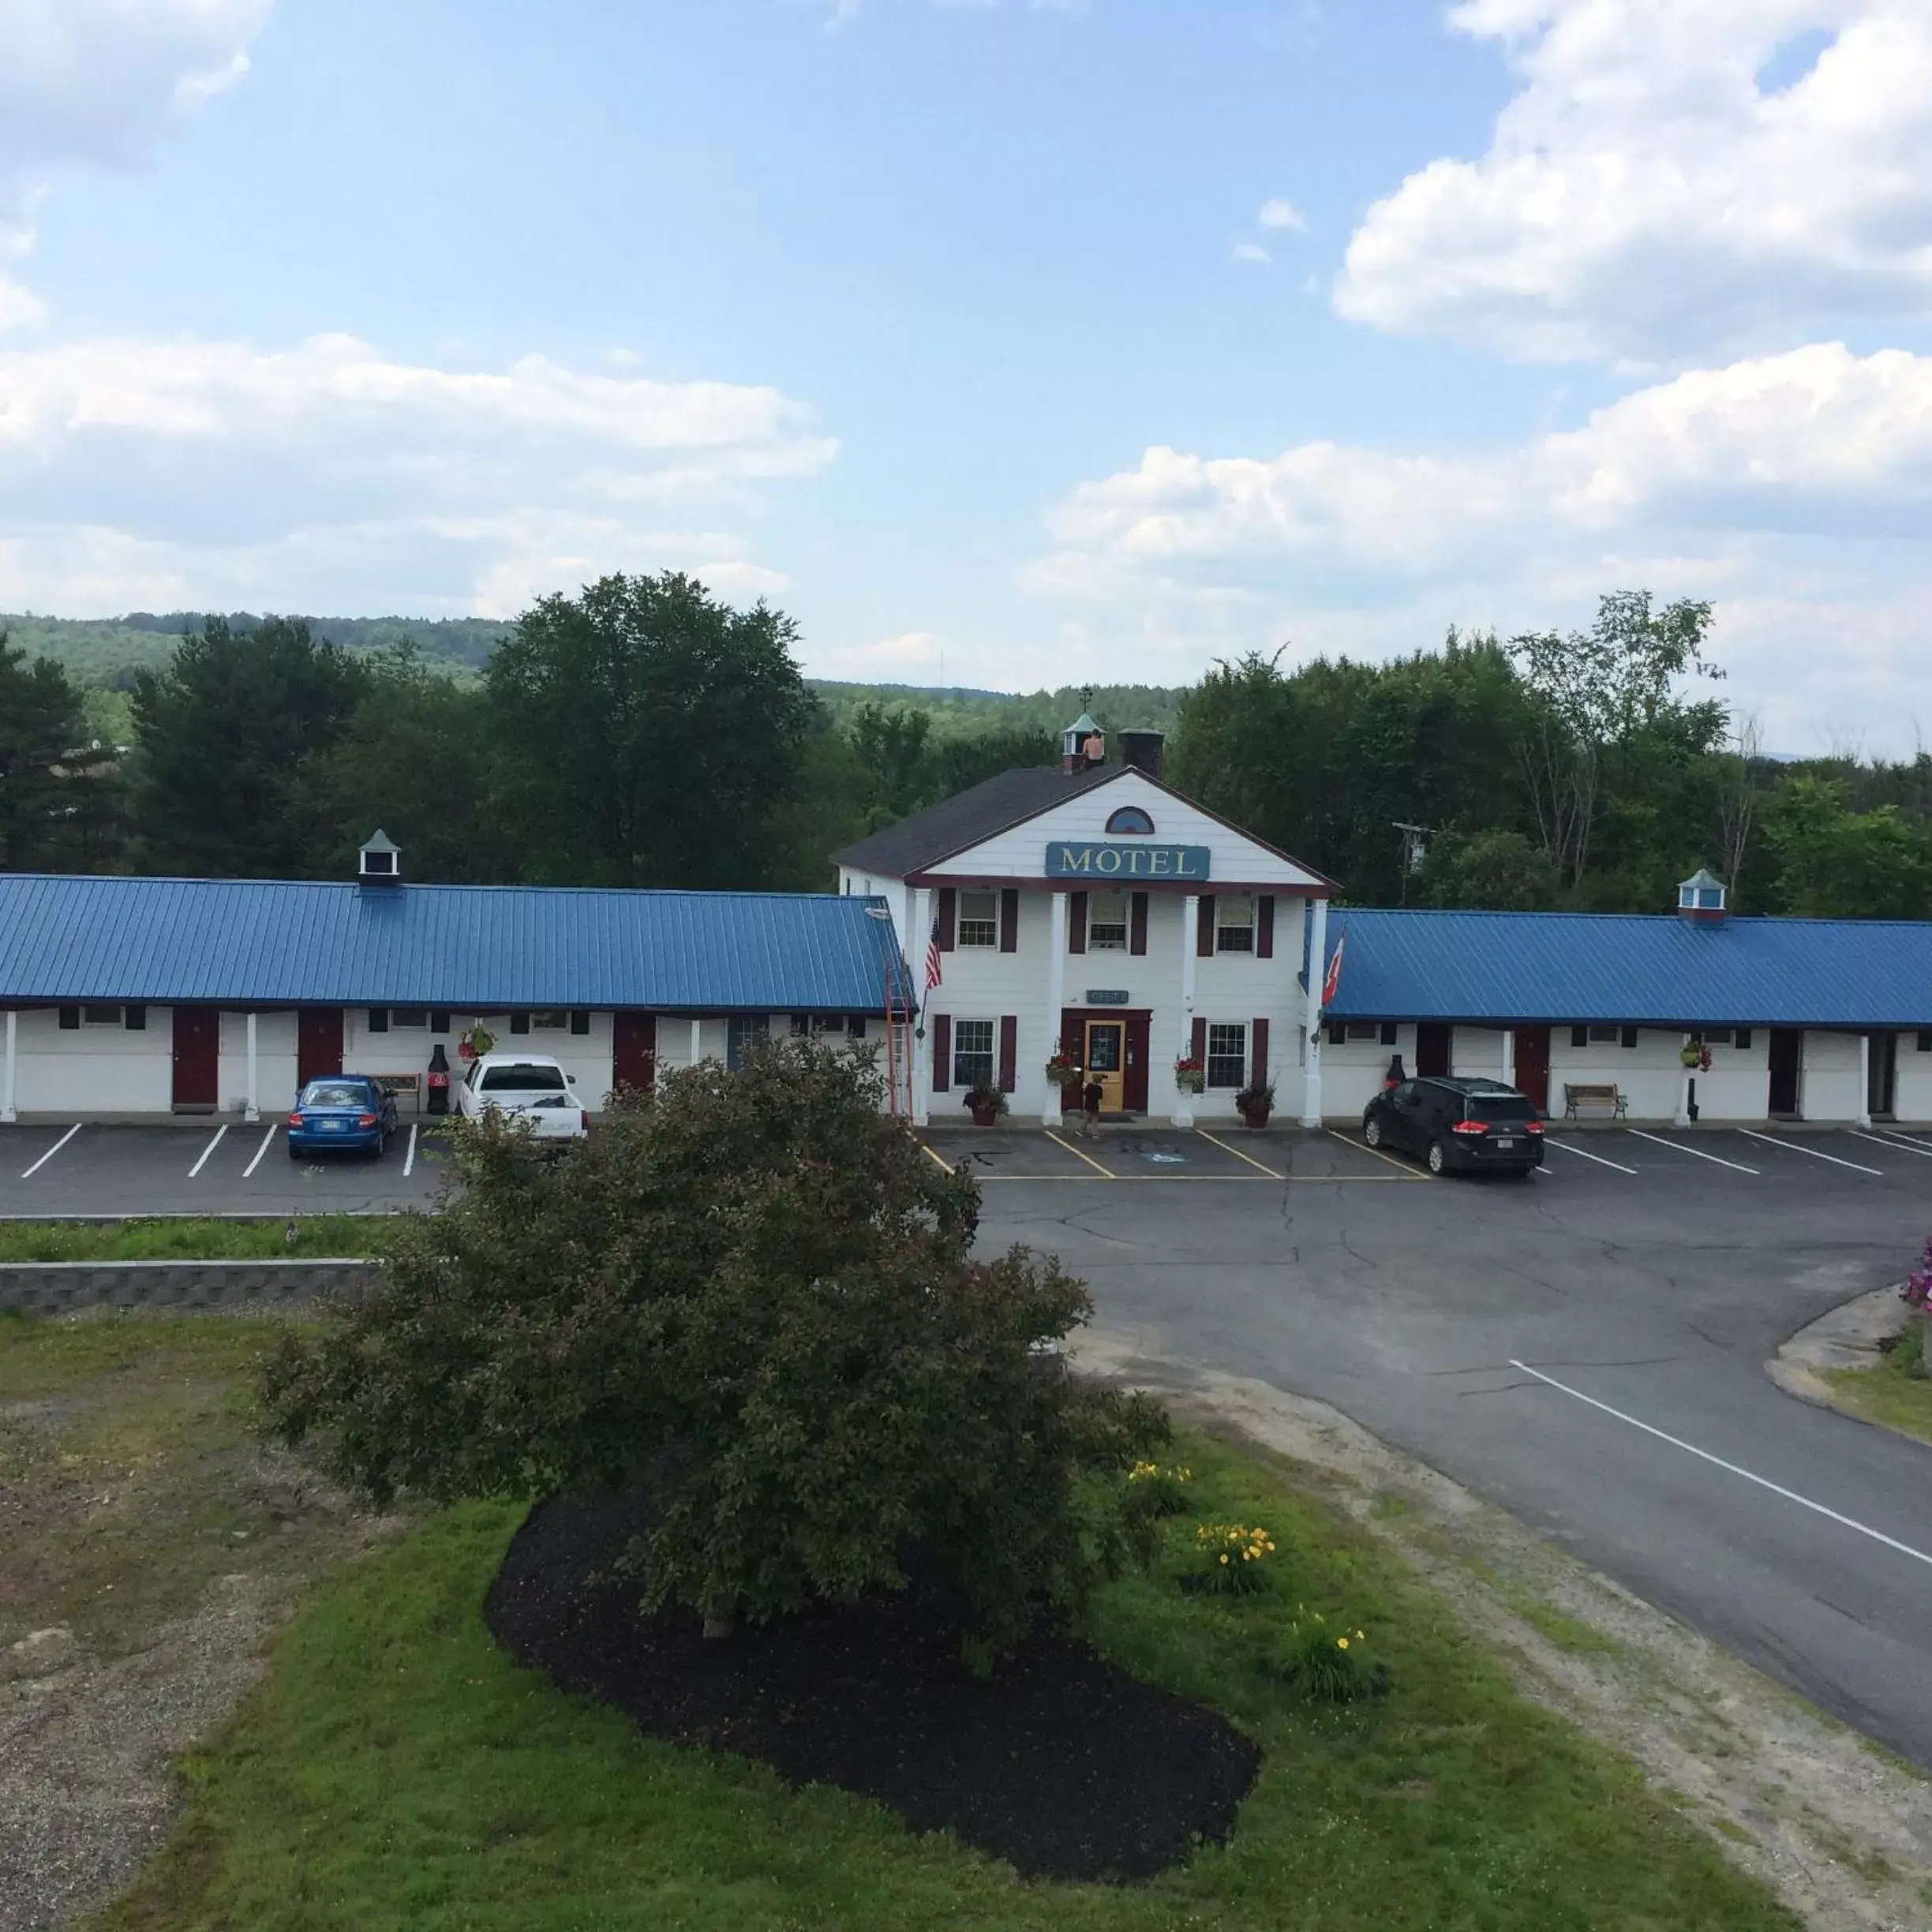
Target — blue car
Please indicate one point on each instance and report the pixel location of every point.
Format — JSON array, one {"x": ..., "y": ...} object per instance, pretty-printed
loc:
[{"x": 345, "y": 1112}]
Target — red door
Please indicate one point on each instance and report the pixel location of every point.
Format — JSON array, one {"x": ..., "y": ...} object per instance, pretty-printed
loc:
[
  {"x": 634, "y": 1051},
  {"x": 318, "y": 1044},
  {"x": 1532, "y": 1044},
  {"x": 197, "y": 1056},
  {"x": 1432, "y": 1051},
  {"x": 1136, "y": 1086}
]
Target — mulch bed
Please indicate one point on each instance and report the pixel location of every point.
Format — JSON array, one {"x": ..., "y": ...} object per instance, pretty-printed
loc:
[{"x": 1059, "y": 1763}]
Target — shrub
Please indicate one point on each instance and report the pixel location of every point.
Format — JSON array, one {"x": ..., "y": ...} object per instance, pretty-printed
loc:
[
  {"x": 755, "y": 1287},
  {"x": 1330, "y": 1663},
  {"x": 1153, "y": 1490},
  {"x": 1917, "y": 1292},
  {"x": 1234, "y": 1559}
]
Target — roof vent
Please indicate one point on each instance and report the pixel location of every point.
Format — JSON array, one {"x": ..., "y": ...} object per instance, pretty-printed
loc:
[
  {"x": 1142, "y": 750},
  {"x": 1083, "y": 745},
  {"x": 1701, "y": 896},
  {"x": 379, "y": 863}
]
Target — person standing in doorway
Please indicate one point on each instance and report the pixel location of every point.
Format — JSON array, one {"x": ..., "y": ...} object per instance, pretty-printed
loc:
[{"x": 1092, "y": 1094}]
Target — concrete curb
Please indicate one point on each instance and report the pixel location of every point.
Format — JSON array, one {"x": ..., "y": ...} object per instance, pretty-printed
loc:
[
  {"x": 1846, "y": 1337},
  {"x": 63, "y": 1287}
]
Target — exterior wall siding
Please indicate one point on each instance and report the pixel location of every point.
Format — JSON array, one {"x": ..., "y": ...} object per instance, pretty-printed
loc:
[
  {"x": 95, "y": 1069},
  {"x": 1913, "y": 1097}
]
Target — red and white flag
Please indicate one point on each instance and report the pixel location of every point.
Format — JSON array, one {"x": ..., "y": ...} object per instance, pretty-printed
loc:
[
  {"x": 1334, "y": 971},
  {"x": 933, "y": 974}
]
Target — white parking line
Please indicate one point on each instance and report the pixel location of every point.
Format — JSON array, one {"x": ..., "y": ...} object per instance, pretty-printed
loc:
[
  {"x": 1894, "y": 1137},
  {"x": 409, "y": 1158},
  {"x": 220, "y": 1133},
  {"x": 1600, "y": 1161},
  {"x": 1797, "y": 1147},
  {"x": 1897, "y": 1147},
  {"x": 1763, "y": 1482},
  {"x": 1677, "y": 1147},
  {"x": 261, "y": 1150},
  {"x": 51, "y": 1152}
]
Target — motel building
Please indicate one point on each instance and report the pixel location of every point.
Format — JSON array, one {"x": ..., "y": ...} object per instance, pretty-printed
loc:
[{"x": 1086, "y": 912}]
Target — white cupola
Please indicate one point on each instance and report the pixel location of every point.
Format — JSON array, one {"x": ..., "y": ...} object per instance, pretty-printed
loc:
[
  {"x": 1083, "y": 745},
  {"x": 379, "y": 863},
  {"x": 1702, "y": 895}
]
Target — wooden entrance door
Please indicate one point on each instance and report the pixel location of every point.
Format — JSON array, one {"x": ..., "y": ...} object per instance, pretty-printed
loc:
[
  {"x": 1786, "y": 1057},
  {"x": 1533, "y": 1048},
  {"x": 1106, "y": 1060},
  {"x": 1882, "y": 1095},
  {"x": 197, "y": 1058},
  {"x": 1432, "y": 1041},
  {"x": 634, "y": 1051},
  {"x": 318, "y": 1044}
]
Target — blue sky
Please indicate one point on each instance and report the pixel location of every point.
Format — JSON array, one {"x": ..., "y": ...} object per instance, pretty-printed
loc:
[{"x": 1041, "y": 341}]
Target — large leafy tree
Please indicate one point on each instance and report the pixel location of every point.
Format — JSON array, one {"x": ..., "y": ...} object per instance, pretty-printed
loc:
[
  {"x": 43, "y": 764},
  {"x": 757, "y": 1288},
  {"x": 1837, "y": 863},
  {"x": 646, "y": 734},
  {"x": 224, "y": 733}
]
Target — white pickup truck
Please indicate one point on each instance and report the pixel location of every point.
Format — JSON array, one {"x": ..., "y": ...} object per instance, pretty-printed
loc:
[{"x": 525, "y": 1088}]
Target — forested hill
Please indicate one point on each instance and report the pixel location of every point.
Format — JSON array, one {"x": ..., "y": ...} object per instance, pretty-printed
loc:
[{"x": 106, "y": 651}]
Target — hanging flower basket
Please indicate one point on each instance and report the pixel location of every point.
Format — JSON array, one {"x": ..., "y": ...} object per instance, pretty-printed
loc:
[
  {"x": 1063, "y": 1071},
  {"x": 1190, "y": 1076}
]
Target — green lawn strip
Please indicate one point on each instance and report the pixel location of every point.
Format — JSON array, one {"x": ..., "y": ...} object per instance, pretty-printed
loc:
[
  {"x": 395, "y": 1768},
  {"x": 1898, "y": 1393},
  {"x": 188, "y": 1238}
]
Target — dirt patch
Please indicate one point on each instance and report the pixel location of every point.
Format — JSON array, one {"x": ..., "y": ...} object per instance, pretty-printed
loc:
[
  {"x": 1058, "y": 1762},
  {"x": 1840, "y": 1829}
]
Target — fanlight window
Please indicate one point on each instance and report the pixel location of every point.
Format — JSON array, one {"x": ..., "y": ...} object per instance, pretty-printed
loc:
[{"x": 1131, "y": 818}]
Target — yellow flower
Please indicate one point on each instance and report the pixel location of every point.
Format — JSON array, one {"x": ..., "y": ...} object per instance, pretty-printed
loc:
[
  {"x": 1341, "y": 1643},
  {"x": 1224, "y": 1556}
]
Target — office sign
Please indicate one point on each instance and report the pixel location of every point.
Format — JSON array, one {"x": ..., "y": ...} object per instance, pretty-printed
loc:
[
  {"x": 1078, "y": 859},
  {"x": 1106, "y": 996}
]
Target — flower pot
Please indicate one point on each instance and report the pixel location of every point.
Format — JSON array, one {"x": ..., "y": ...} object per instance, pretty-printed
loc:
[
  {"x": 985, "y": 1117},
  {"x": 1257, "y": 1113}
]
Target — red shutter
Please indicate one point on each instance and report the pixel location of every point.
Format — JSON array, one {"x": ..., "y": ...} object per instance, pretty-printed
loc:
[
  {"x": 942, "y": 1053},
  {"x": 1136, "y": 922},
  {"x": 1264, "y": 926},
  {"x": 948, "y": 899},
  {"x": 1009, "y": 1053},
  {"x": 1009, "y": 921},
  {"x": 1076, "y": 922},
  {"x": 1257, "y": 1048},
  {"x": 1204, "y": 928},
  {"x": 1197, "y": 1045}
]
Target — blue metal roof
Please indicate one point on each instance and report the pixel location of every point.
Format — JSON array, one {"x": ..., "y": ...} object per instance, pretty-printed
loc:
[
  {"x": 1631, "y": 968},
  {"x": 487, "y": 949}
]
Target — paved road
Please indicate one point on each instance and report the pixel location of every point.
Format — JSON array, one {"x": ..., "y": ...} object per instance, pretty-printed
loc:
[{"x": 1657, "y": 1286}]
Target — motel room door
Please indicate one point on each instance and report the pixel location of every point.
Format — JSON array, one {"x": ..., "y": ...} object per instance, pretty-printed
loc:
[
  {"x": 1533, "y": 1048},
  {"x": 1786, "y": 1058},
  {"x": 634, "y": 1051},
  {"x": 318, "y": 1044},
  {"x": 197, "y": 1058},
  {"x": 1105, "y": 1059},
  {"x": 1433, "y": 1042},
  {"x": 1881, "y": 1098}
]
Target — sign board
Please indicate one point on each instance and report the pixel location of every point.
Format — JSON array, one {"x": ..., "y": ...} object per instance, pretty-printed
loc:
[
  {"x": 1080, "y": 859},
  {"x": 1106, "y": 996}
]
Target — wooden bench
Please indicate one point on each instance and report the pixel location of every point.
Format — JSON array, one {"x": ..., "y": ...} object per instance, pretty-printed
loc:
[
  {"x": 1605, "y": 1096},
  {"x": 401, "y": 1084}
]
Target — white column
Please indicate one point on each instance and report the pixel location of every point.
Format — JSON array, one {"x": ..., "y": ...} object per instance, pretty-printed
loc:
[
  {"x": 1190, "y": 924},
  {"x": 1865, "y": 1081},
  {"x": 253, "y": 1112},
  {"x": 9, "y": 1068},
  {"x": 921, "y": 1041},
  {"x": 697, "y": 1052},
  {"x": 1311, "y": 1010},
  {"x": 1682, "y": 1118},
  {"x": 1056, "y": 997},
  {"x": 1509, "y": 1056}
]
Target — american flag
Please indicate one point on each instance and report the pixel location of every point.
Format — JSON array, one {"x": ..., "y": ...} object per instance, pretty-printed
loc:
[
  {"x": 1333, "y": 980},
  {"x": 933, "y": 974}
]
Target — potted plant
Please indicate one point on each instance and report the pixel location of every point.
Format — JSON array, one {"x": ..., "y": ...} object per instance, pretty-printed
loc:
[
  {"x": 476, "y": 1042},
  {"x": 1255, "y": 1103},
  {"x": 986, "y": 1104},
  {"x": 1190, "y": 1076}
]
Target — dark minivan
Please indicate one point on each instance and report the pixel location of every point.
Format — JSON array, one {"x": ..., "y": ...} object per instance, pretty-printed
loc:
[{"x": 1479, "y": 1125}]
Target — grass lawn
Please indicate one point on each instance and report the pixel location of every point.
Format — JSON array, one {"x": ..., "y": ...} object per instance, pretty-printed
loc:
[
  {"x": 395, "y": 1768},
  {"x": 1897, "y": 1393},
  {"x": 188, "y": 1239}
]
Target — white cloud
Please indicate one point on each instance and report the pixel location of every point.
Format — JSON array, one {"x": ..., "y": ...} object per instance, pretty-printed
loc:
[
  {"x": 1249, "y": 252},
  {"x": 1652, "y": 192},
  {"x": 912, "y": 657},
  {"x": 1794, "y": 489},
  {"x": 330, "y": 473},
  {"x": 105, "y": 81},
  {"x": 1279, "y": 213}
]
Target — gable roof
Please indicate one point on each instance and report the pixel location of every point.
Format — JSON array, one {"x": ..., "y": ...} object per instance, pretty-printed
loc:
[
  {"x": 994, "y": 805},
  {"x": 1631, "y": 969},
  {"x": 490, "y": 948}
]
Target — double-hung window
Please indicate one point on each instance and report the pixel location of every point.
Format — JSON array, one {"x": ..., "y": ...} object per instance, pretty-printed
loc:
[
  {"x": 1234, "y": 923},
  {"x": 1106, "y": 922},
  {"x": 972, "y": 1053},
  {"x": 1227, "y": 1056},
  {"x": 978, "y": 918}
]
